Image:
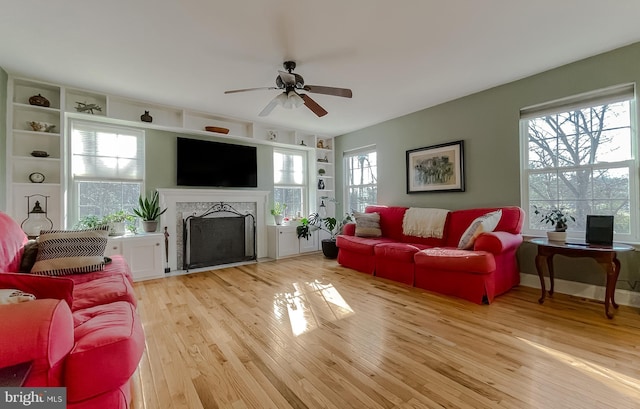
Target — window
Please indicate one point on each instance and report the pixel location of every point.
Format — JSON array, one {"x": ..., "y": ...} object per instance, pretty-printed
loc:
[
  {"x": 361, "y": 172},
  {"x": 579, "y": 154},
  {"x": 107, "y": 168},
  {"x": 289, "y": 180}
]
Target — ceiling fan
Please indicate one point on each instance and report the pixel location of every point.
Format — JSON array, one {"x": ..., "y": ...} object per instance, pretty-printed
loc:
[{"x": 291, "y": 84}]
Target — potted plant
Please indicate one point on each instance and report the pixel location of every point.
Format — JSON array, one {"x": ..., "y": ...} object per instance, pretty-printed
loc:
[
  {"x": 558, "y": 219},
  {"x": 278, "y": 212},
  {"x": 149, "y": 211},
  {"x": 117, "y": 222},
  {"x": 329, "y": 224}
]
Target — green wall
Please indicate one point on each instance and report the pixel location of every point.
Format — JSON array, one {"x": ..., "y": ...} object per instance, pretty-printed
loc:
[
  {"x": 488, "y": 122},
  {"x": 160, "y": 159},
  {"x": 3, "y": 138}
]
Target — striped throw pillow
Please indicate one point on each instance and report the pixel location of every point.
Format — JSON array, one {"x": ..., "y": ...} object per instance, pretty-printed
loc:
[
  {"x": 65, "y": 252},
  {"x": 367, "y": 224}
]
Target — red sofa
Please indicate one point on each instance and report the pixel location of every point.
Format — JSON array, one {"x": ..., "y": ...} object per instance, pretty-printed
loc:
[
  {"x": 436, "y": 264},
  {"x": 82, "y": 332}
]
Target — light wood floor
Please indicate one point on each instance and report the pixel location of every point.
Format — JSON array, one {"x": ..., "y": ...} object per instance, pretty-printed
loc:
[{"x": 306, "y": 333}]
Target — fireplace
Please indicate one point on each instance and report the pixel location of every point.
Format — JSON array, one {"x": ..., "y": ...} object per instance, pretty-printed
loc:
[
  {"x": 184, "y": 202},
  {"x": 220, "y": 235}
]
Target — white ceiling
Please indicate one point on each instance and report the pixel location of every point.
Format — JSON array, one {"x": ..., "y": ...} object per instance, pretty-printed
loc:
[{"x": 397, "y": 56}]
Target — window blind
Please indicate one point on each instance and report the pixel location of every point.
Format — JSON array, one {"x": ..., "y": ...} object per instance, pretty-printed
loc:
[
  {"x": 609, "y": 95},
  {"x": 103, "y": 152}
]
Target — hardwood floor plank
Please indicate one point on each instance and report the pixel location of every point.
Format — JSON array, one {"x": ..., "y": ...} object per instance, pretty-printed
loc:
[{"x": 305, "y": 333}]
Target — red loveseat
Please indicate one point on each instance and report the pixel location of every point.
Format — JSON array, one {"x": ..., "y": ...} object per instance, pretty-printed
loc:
[
  {"x": 82, "y": 332},
  {"x": 479, "y": 274}
]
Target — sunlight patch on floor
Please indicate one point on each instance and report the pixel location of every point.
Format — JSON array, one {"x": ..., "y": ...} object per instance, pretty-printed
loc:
[{"x": 310, "y": 304}]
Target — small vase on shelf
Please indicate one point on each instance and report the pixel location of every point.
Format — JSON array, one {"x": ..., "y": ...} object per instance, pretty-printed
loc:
[{"x": 146, "y": 117}]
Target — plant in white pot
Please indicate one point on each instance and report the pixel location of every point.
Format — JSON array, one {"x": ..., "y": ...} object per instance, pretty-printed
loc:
[
  {"x": 278, "y": 212},
  {"x": 149, "y": 211},
  {"x": 558, "y": 219}
]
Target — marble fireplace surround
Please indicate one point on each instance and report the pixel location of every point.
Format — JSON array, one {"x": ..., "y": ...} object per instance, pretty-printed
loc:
[{"x": 173, "y": 199}]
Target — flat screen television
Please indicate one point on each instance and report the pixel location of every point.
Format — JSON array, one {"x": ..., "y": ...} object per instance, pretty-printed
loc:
[{"x": 216, "y": 164}]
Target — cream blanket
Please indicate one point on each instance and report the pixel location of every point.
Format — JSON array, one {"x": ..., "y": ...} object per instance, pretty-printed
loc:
[{"x": 423, "y": 222}]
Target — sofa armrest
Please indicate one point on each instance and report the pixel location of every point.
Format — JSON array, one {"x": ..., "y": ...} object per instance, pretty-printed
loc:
[
  {"x": 349, "y": 229},
  {"x": 59, "y": 288},
  {"x": 497, "y": 242},
  {"x": 40, "y": 331}
]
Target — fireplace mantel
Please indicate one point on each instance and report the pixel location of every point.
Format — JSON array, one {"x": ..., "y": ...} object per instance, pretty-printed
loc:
[{"x": 169, "y": 198}]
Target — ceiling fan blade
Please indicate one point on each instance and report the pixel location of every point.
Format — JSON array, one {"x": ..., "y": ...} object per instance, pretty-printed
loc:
[
  {"x": 337, "y": 92},
  {"x": 288, "y": 78},
  {"x": 270, "y": 106},
  {"x": 233, "y": 91},
  {"x": 313, "y": 105}
]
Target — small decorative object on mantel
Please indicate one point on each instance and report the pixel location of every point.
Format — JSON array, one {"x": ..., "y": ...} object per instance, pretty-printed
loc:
[
  {"x": 320, "y": 144},
  {"x": 321, "y": 171},
  {"x": 41, "y": 126},
  {"x": 321, "y": 184},
  {"x": 84, "y": 107},
  {"x": 146, "y": 117},
  {"x": 216, "y": 129},
  {"x": 272, "y": 135},
  {"x": 39, "y": 100},
  {"x": 325, "y": 159},
  {"x": 302, "y": 143},
  {"x": 40, "y": 154}
]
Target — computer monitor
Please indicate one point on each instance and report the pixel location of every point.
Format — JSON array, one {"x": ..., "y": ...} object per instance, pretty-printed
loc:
[{"x": 599, "y": 230}]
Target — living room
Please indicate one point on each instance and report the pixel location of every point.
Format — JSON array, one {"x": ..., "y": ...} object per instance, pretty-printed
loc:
[{"x": 245, "y": 358}]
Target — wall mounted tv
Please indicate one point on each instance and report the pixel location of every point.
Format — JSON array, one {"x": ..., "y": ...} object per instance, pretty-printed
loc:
[{"x": 216, "y": 164}]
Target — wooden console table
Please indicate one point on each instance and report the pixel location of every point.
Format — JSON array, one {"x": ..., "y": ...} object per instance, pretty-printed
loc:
[{"x": 605, "y": 256}]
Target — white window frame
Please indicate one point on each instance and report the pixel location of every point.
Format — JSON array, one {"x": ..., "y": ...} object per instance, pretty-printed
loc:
[
  {"x": 73, "y": 181},
  {"x": 347, "y": 171},
  {"x": 595, "y": 98},
  {"x": 304, "y": 186}
]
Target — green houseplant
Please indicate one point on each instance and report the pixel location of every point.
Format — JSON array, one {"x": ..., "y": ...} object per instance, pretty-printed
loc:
[
  {"x": 278, "y": 212},
  {"x": 330, "y": 225},
  {"x": 558, "y": 218},
  {"x": 149, "y": 211}
]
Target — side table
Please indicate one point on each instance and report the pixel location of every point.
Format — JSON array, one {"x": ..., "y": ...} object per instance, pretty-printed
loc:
[
  {"x": 605, "y": 256},
  {"x": 14, "y": 376}
]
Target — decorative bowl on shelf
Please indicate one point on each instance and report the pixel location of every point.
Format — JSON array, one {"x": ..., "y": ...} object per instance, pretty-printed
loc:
[
  {"x": 39, "y": 100},
  {"x": 40, "y": 154},
  {"x": 41, "y": 126},
  {"x": 216, "y": 129}
]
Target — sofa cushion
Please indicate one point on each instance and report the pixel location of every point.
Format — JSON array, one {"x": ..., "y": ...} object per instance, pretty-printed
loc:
[
  {"x": 459, "y": 221},
  {"x": 64, "y": 252},
  {"x": 367, "y": 224},
  {"x": 109, "y": 342},
  {"x": 104, "y": 290},
  {"x": 57, "y": 288},
  {"x": 29, "y": 255},
  {"x": 390, "y": 220},
  {"x": 401, "y": 252},
  {"x": 13, "y": 240},
  {"x": 361, "y": 245},
  {"x": 456, "y": 260},
  {"x": 482, "y": 224},
  {"x": 118, "y": 265}
]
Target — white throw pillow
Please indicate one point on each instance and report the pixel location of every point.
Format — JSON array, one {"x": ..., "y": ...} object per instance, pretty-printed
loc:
[
  {"x": 484, "y": 223},
  {"x": 13, "y": 296}
]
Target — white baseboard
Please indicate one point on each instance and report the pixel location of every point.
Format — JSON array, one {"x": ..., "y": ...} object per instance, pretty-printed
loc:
[{"x": 594, "y": 292}]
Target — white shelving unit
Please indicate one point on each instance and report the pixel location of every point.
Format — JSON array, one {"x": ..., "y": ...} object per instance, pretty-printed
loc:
[{"x": 22, "y": 140}]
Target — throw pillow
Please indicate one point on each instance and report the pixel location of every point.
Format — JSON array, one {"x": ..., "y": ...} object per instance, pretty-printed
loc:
[
  {"x": 367, "y": 224},
  {"x": 29, "y": 256},
  {"x": 64, "y": 252},
  {"x": 13, "y": 296},
  {"x": 484, "y": 223}
]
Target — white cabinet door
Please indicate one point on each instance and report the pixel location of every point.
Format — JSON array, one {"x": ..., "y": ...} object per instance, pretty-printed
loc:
[
  {"x": 310, "y": 244},
  {"x": 288, "y": 244},
  {"x": 144, "y": 256},
  {"x": 114, "y": 246}
]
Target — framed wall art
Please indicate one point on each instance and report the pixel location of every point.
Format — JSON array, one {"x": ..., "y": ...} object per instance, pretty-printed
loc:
[{"x": 437, "y": 168}]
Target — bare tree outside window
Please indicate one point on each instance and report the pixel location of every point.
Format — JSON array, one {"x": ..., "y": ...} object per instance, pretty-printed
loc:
[
  {"x": 362, "y": 180},
  {"x": 581, "y": 160}
]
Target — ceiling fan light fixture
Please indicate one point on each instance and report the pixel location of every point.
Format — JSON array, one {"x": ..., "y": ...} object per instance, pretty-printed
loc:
[{"x": 293, "y": 100}]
